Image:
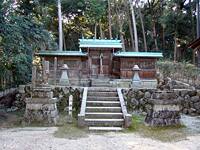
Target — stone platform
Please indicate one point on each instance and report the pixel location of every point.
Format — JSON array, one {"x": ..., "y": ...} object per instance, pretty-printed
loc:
[
  {"x": 41, "y": 106},
  {"x": 165, "y": 112}
]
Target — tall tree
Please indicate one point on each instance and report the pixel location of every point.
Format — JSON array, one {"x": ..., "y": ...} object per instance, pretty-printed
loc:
[
  {"x": 109, "y": 19},
  {"x": 142, "y": 24},
  {"x": 60, "y": 28},
  {"x": 134, "y": 25}
]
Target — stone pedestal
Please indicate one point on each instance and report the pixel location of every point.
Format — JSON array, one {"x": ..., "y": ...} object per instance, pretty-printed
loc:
[
  {"x": 166, "y": 111},
  {"x": 41, "y": 106}
]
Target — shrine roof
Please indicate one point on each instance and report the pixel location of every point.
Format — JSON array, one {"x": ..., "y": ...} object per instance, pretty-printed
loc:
[
  {"x": 195, "y": 44},
  {"x": 60, "y": 53},
  {"x": 99, "y": 43},
  {"x": 139, "y": 54}
]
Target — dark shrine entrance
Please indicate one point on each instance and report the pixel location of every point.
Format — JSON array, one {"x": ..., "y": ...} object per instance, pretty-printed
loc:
[{"x": 101, "y": 62}]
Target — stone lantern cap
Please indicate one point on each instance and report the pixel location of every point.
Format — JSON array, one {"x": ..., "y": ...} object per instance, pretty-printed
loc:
[
  {"x": 65, "y": 67},
  {"x": 136, "y": 68}
]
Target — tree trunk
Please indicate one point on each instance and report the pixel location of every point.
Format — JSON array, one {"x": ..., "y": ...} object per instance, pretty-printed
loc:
[
  {"x": 109, "y": 20},
  {"x": 60, "y": 26},
  {"x": 131, "y": 32},
  {"x": 155, "y": 35},
  {"x": 198, "y": 19},
  {"x": 101, "y": 30},
  {"x": 175, "y": 48},
  {"x": 134, "y": 26},
  {"x": 64, "y": 41},
  {"x": 122, "y": 36},
  {"x": 121, "y": 31},
  {"x": 143, "y": 31},
  {"x": 163, "y": 37},
  {"x": 95, "y": 30}
]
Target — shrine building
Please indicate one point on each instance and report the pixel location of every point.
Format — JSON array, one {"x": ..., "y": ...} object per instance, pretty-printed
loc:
[{"x": 100, "y": 60}]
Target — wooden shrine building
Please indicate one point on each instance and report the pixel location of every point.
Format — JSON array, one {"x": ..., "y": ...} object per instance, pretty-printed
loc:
[{"x": 100, "y": 59}]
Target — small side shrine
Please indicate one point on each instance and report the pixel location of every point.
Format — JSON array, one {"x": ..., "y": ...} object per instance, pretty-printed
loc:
[{"x": 99, "y": 59}]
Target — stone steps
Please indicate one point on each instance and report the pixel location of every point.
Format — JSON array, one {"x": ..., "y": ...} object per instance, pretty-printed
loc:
[
  {"x": 103, "y": 94},
  {"x": 103, "y": 109},
  {"x": 101, "y": 85},
  {"x": 105, "y": 122},
  {"x": 103, "y": 103},
  {"x": 106, "y": 115},
  {"x": 101, "y": 89},
  {"x": 105, "y": 128},
  {"x": 93, "y": 98}
]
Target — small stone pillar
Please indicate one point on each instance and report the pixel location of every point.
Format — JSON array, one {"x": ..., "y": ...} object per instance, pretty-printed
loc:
[
  {"x": 165, "y": 112},
  {"x": 70, "y": 109},
  {"x": 64, "y": 80},
  {"x": 136, "y": 81}
]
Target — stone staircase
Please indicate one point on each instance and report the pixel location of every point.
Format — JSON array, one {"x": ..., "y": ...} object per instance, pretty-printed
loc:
[
  {"x": 103, "y": 110},
  {"x": 101, "y": 82}
]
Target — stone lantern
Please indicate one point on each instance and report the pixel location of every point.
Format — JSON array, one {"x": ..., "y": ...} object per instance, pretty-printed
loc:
[
  {"x": 136, "y": 81},
  {"x": 64, "y": 80}
]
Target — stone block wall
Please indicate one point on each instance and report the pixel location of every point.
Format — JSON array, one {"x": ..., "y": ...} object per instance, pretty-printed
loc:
[
  {"x": 63, "y": 93},
  {"x": 42, "y": 108},
  {"x": 140, "y": 100}
]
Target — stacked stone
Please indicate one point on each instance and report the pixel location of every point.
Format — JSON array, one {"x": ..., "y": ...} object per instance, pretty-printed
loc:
[
  {"x": 190, "y": 101},
  {"x": 138, "y": 99},
  {"x": 41, "y": 106},
  {"x": 166, "y": 111}
]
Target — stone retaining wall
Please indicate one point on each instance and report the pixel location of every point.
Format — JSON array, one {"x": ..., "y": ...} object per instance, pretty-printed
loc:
[
  {"x": 140, "y": 100},
  {"x": 62, "y": 93}
]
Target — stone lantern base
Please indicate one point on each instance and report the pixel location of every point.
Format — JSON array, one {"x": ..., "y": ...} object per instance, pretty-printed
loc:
[
  {"x": 41, "y": 106},
  {"x": 166, "y": 111}
]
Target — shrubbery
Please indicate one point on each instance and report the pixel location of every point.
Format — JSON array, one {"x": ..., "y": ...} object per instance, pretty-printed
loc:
[{"x": 179, "y": 70}]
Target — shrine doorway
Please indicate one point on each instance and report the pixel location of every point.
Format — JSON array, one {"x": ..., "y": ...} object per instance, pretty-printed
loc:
[{"x": 100, "y": 63}]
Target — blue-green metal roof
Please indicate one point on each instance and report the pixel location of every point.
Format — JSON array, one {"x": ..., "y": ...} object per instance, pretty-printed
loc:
[
  {"x": 139, "y": 54},
  {"x": 61, "y": 53},
  {"x": 99, "y": 43}
]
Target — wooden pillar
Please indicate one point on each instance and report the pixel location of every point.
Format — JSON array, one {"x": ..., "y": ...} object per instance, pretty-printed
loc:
[
  {"x": 55, "y": 70},
  {"x": 89, "y": 63}
]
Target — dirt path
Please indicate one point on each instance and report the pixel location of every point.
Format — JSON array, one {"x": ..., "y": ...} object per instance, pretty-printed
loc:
[{"x": 43, "y": 139}]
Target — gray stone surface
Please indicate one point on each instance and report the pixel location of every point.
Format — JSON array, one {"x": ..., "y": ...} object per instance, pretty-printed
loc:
[
  {"x": 187, "y": 99},
  {"x": 41, "y": 106}
]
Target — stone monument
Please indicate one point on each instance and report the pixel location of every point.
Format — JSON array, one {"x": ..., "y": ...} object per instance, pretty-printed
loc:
[{"x": 64, "y": 80}]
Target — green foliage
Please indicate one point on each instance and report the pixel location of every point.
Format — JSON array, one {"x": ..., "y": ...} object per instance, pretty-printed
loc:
[
  {"x": 183, "y": 70},
  {"x": 20, "y": 36},
  {"x": 31, "y": 25}
]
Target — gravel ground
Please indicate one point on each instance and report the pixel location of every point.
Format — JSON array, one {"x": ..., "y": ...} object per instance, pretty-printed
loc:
[{"x": 43, "y": 139}]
